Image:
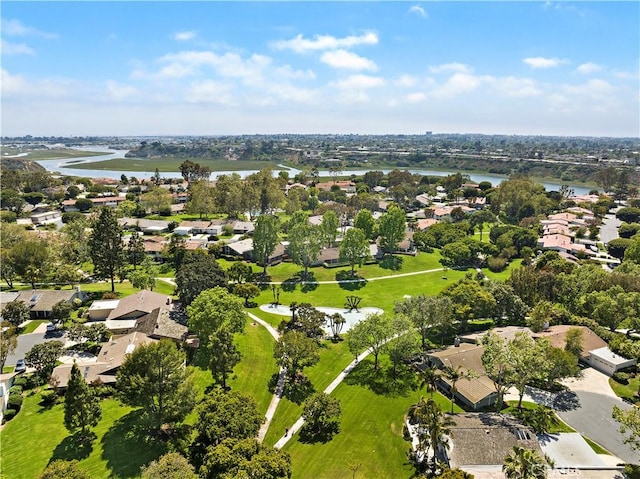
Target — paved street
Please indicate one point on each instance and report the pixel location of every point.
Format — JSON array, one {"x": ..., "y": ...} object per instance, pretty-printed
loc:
[
  {"x": 26, "y": 342},
  {"x": 609, "y": 228}
]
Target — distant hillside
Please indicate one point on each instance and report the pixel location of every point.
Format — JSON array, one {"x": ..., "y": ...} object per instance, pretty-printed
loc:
[{"x": 20, "y": 164}]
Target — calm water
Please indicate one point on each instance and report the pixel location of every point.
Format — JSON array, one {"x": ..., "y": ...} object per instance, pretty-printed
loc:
[{"x": 66, "y": 167}]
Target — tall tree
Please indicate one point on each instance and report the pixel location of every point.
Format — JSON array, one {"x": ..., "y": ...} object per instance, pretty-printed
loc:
[
  {"x": 60, "y": 469},
  {"x": 403, "y": 345},
  {"x": 135, "y": 250},
  {"x": 31, "y": 260},
  {"x": 522, "y": 463},
  {"x": 528, "y": 361},
  {"x": 201, "y": 199},
  {"x": 224, "y": 356},
  {"x": 16, "y": 313},
  {"x": 364, "y": 221},
  {"x": 455, "y": 374},
  {"x": 321, "y": 413},
  {"x": 105, "y": 246},
  {"x": 245, "y": 458},
  {"x": 294, "y": 352},
  {"x": 305, "y": 243},
  {"x": 197, "y": 273},
  {"x": 156, "y": 200},
  {"x": 424, "y": 312},
  {"x": 354, "y": 248},
  {"x": 170, "y": 465},
  {"x": 192, "y": 171},
  {"x": 263, "y": 192},
  {"x": 44, "y": 356},
  {"x": 371, "y": 333},
  {"x": 392, "y": 229},
  {"x": 497, "y": 364},
  {"x": 230, "y": 195},
  {"x": 265, "y": 239},
  {"x": 154, "y": 377},
  {"x": 81, "y": 406},
  {"x": 329, "y": 226},
  {"x": 432, "y": 425},
  {"x": 629, "y": 424}
]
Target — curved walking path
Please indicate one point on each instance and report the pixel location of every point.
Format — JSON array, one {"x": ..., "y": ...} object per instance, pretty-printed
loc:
[
  {"x": 377, "y": 278},
  {"x": 277, "y": 395}
]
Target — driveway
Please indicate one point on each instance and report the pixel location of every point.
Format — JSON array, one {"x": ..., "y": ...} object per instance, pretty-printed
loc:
[
  {"x": 587, "y": 408},
  {"x": 609, "y": 228},
  {"x": 27, "y": 341}
]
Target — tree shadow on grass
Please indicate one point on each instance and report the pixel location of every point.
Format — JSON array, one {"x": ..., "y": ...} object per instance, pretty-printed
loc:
[
  {"x": 128, "y": 445},
  {"x": 391, "y": 262},
  {"x": 298, "y": 390},
  {"x": 350, "y": 282},
  {"x": 383, "y": 381},
  {"x": 76, "y": 446},
  {"x": 308, "y": 436}
]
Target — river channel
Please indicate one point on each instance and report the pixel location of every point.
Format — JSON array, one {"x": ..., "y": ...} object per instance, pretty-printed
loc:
[{"x": 66, "y": 167}]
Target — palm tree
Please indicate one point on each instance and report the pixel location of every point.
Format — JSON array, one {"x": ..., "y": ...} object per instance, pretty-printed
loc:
[
  {"x": 454, "y": 375},
  {"x": 522, "y": 463},
  {"x": 433, "y": 426},
  {"x": 429, "y": 379}
]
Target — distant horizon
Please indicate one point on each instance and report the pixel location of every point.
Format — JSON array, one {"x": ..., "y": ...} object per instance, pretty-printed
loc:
[{"x": 215, "y": 68}]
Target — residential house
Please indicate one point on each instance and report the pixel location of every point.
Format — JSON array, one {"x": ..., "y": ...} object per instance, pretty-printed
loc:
[
  {"x": 109, "y": 359},
  {"x": 209, "y": 227},
  {"x": 162, "y": 323},
  {"x": 41, "y": 301},
  {"x": 346, "y": 186},
  {"x": 144, "y": 225},
  {"x": 46, "y": 217},
  {"x": 6, "y": 381},
  {"x": 243, "y": 227},
  {"x": 242, "y": 248},
  {"x": 477, "y": 392}
]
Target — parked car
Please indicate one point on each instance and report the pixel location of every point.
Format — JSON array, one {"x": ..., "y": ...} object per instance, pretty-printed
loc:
[
  {"x": 51, "y": 327},
  {"x": 21, "y": 366}
]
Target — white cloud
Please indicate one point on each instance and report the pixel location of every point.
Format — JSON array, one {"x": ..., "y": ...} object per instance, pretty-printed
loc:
[
  {"x": 9, "y": 48},
  {"x": 286, "y": 71},
  {"x": 299, "y": 44},
  {"x": 516, "y": 87},
  {"x": 119, "y": 91},
  {"x": 183, "y": 36},
  {"x": 16, "y": 28},
  {"x": 210, "y": 91},
  {"x": 19, "y": 86},
  {"x": 358, "y": 82},
  {"x": 347, "y": 60},
  {"x": 457, "y": 84},
  {"x": 450, "y": 67},
  {"x": 418, "y": 10},
  {"x": 595, "y": 88},
  {"x": 416, "y": 97},
  {"x": 542, "y": 62},
  {"x": 589, "y": 67},
  {"x": 405, "y": 81}
]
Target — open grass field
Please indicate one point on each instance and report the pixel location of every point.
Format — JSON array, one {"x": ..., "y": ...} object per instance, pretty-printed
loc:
[{"x": 173, "y": 164}]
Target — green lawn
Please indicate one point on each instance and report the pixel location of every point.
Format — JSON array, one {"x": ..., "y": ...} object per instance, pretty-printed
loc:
[
  {"x": 53, "y": 154},
  {"x": 373, "y": 410},
  {"x": 557, "y": 426},
  {"x": 32, "y": 325},
  {"x": 628, "y": 391},
  {"x": 173, "y": 164},
  {"x": 36, "y": 436},
  {"x": 597, "y": 448}
]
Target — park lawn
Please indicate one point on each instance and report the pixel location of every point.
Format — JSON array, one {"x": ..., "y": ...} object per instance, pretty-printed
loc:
[
  {"x": 506, "y": 273},
  {"x": 172, "y": 164},
  {"x": 371, "y": 434},
  {"x": 627, "y": 391},
  {"x": 163, "y": 287},
  {"x": 37, "y": 436},
  {"x": 334, "y": 357},
  {"x": 32, "y": 325},
  {"x": 380, "y": 293}
]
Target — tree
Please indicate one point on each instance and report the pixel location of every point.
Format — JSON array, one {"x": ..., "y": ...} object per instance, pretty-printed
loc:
[
  {"x": 365, "y": 222},
  {"x": 370, "y": 333},
  {"x": 60, "y": 469},
  {"x": 392, "y": 229},
  {"x": 197, "y": 273},
  {"x": 105, "y": 246},
  {"x": 307, "y": 319},
  {"x": 201, "y": 200},
  {"x": 265, "y": 239},
  {"x": 16, "y": 313},
  {"x": 135, "y": 250},
  {"x": 213, "y": 310},
  {"x": 142, "y": 279},
  {"x": 224, "y": 356},
  {"x": 294, "y": 352},
  {"x": 497, "y": 364},
  {"x": 574, "y": 342},
  {"x": 329, "y": 226},
  {"x": 263, "y": 192},
  {"x": 509, "y": 306},
  {"x": 61, "y": 311},
  {"x": 433, "y": 427},
  {"x": 522, "y": 463},
  {"x": 154, "y": 377},
  {"x": 192, "y": 171},
  {"x": 528, "y": 361},
  {"x": 170, "y": 465},
  {"x": 223, "y": 415},
  {"x": 470, "y": 300},
  {"x": 229, "y": 195},
  {"x": 74, "y": 241},
  {"x": 240, "y": 272},
  {"x": 83, "y": 204},
  {"x": 403, "y": 345},
  {"x": 336, "y": 322},
  {"x": 44, "y": 356},
  {"x": 245, "y": 458},
  {"x": 422, "y": 311},
  {"x": 629, "y": 424},
  {"x": 429, "y": 378},
  {"x": 246, "y": 291},
  {"x": 81, "y": 406},
  {"x": 305, "y": 243},
  {"x": 8, "y": 344},
  {"x": 321, "y": 413},
  {"x": 480, "y": 218},
  {"x": 157, "y": 200},
  {"x": 354, "y": 248},
  {"x": 30, "y": 259}
]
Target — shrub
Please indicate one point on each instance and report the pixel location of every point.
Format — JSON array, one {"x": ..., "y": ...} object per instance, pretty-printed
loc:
[
  {"x": 48, "y": 397},
  {"x": 496, "y": 264},
  {"x": 9, "y": 414},
  {"x": 71, "y": 216},
  {"x": 20, "y": 381},
  {"x": 15, "y": 389},
  {"x": 165, "y": 211},
  {"x": 109, "y": 295},
  {"x": 15, "y": 401},
  {"x": 8, "y": 216},
  {"x": 622, "y": 378}
]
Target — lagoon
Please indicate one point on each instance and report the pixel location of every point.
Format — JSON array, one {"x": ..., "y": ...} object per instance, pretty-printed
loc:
[{"x": 66, "y": 167}]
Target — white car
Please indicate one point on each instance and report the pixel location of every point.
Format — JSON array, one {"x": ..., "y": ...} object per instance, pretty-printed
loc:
[{"x": 51, "y": 327}]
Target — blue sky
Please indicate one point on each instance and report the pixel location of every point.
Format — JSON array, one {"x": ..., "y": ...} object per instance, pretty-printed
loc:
[{"x": 210, "y": 68}]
